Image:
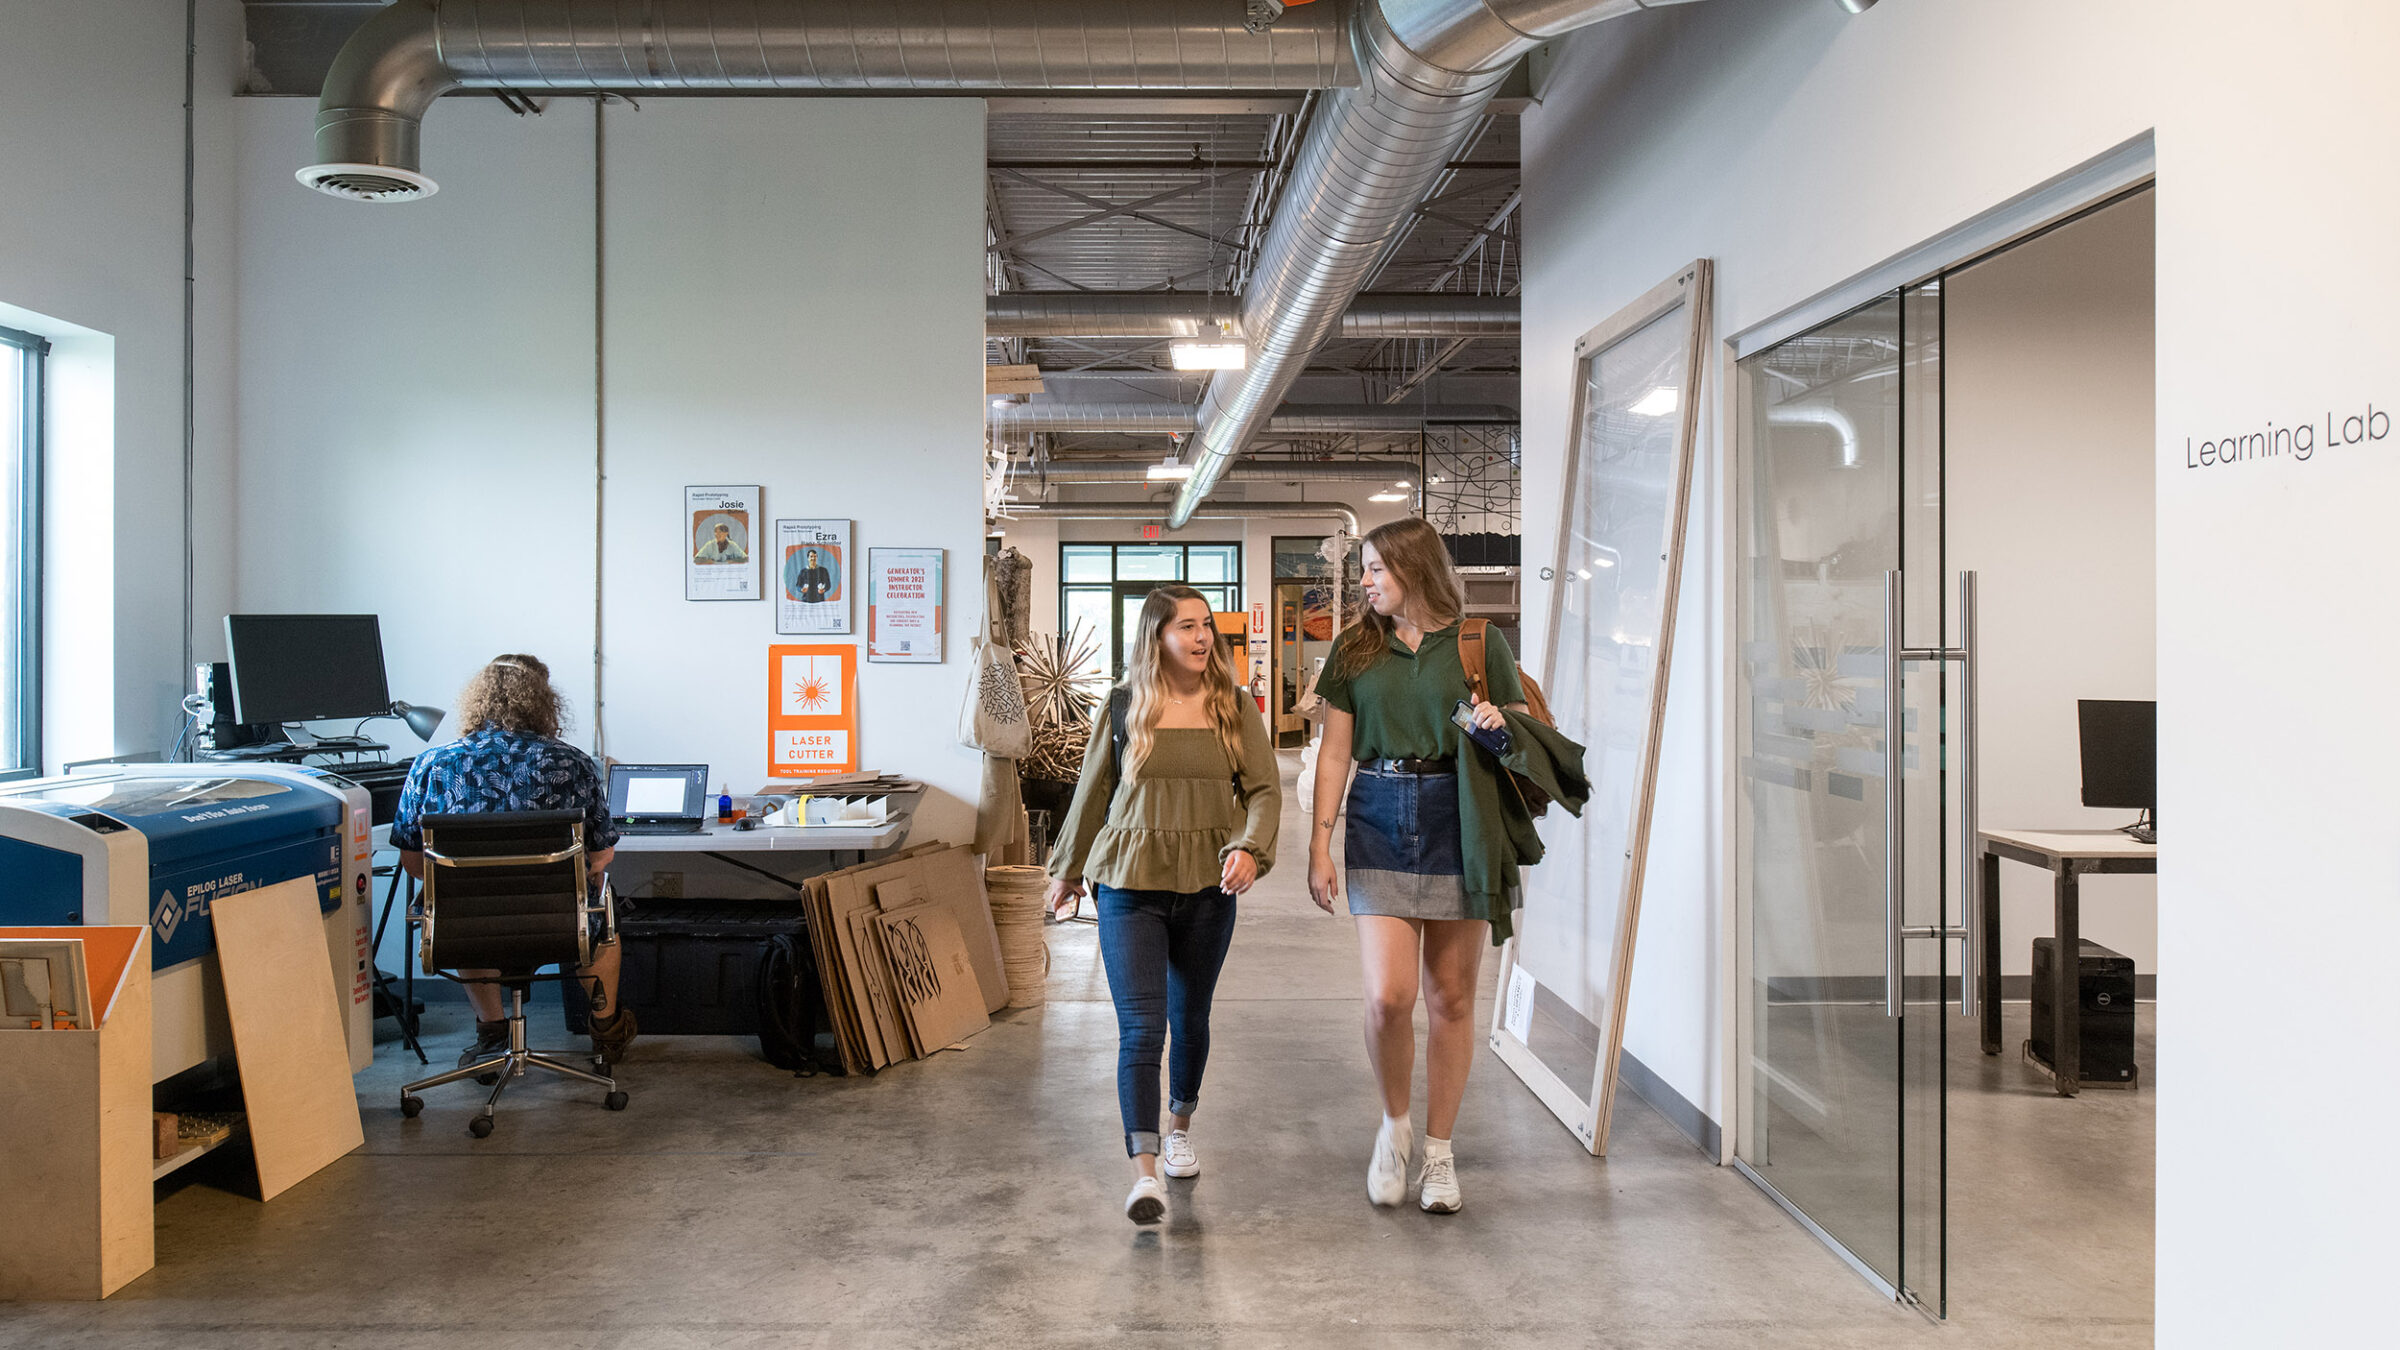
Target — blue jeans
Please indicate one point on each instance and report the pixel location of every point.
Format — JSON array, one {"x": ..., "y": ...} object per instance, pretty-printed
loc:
[{"x": 1163, "y": 950}]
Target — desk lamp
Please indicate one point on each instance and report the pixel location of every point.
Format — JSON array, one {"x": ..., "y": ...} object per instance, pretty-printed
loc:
[{"x": 421, "y": 720}]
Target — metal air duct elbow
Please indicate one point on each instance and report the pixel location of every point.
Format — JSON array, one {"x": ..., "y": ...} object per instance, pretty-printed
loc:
[
  {"x": 414, "y": 51},
  {"x": 1427, "y": 70}
]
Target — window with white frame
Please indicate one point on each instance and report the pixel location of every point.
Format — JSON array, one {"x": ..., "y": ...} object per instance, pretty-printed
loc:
[{"x": 22, "y": 356}]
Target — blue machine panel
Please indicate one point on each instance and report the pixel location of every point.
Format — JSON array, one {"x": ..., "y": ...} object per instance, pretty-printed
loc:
[
  {"x": 45, "y": 886},
  {"x": 179, "y": 920}
]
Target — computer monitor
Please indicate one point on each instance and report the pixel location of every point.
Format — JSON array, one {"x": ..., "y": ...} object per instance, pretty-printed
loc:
[
  {"x": 306, "y": 667},
  {"x": 657, "y": 791},
  {"x": 2120, "y": 752}
]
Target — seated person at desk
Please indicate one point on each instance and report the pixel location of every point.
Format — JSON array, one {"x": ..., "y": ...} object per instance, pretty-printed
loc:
[{"x": 509, "y": 758}]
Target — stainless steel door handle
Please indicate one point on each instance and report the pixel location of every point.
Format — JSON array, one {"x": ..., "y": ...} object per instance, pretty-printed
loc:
[
  {"x": 1971, "y": 900},
  {"x": 1895, "y": 879}
]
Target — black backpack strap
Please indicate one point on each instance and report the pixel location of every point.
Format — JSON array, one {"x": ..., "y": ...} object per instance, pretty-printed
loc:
[{"x": 1120, "y": 703}]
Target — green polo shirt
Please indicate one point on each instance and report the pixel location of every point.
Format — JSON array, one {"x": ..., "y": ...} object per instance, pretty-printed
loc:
[{"x": 1401, "y": 704}]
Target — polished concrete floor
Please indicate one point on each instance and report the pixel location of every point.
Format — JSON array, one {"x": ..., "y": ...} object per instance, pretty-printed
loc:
[{"x": 971, "y": 1200}]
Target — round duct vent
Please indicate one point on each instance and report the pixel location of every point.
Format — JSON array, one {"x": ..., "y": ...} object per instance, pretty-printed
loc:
[{"x": 367, "y": 182}]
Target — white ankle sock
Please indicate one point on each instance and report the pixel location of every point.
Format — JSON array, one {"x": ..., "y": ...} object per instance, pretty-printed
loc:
[
  {"x": 1398, "y": 1127},
  {"x": 1436, "y": 1148}
]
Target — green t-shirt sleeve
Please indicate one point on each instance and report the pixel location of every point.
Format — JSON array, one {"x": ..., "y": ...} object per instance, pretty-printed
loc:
[
  {"x": 1500, "y": 670},
  {"x": 1334, "y": 687}
]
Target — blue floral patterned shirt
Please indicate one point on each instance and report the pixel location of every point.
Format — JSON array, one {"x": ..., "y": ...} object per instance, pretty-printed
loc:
[{"x": 495, "y": 770}]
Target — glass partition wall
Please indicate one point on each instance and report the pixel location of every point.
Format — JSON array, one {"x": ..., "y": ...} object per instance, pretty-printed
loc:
[{"x": 1845, "y": 674}]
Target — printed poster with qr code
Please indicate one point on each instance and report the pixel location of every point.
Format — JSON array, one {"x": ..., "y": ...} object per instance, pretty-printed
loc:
[
  {"x": 720, "y": 543},
  {"x": 813, "y": 583},
  {"x": 812, "y": 710},
  {"x": 904, "y": 605}
]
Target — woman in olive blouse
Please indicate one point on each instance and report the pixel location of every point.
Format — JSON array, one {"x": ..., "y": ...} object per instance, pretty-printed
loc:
[
  {"x": 1417, "y": 866},
  {"x": 1190, "y": 826}
]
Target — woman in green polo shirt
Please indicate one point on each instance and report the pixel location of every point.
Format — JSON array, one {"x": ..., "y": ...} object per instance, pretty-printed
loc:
[{"x": 1391, "y": 687}]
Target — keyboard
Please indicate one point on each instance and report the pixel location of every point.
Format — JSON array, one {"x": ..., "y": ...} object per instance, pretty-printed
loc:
[{"x": 658, "y": 826}]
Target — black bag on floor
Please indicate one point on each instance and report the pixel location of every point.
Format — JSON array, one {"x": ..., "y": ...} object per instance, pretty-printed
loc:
[{"x": 791, "y": 1007}]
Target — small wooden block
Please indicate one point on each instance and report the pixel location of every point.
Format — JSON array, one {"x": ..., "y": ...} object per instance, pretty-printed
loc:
[{"x": 163, "y": 1142}]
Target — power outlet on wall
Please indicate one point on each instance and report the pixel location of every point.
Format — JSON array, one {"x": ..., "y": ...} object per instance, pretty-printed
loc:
[{"x": 667, "y": 885}]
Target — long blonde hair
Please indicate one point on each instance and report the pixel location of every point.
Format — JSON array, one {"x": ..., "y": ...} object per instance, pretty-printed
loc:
[
  {"x": 1412, "y": 551},
  {"x": 512, "y": 693},
  {"x": 1146, "y": 679}
]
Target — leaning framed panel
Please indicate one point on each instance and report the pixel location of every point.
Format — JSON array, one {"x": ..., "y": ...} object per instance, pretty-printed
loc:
[{"x": 1613, "y": 579}]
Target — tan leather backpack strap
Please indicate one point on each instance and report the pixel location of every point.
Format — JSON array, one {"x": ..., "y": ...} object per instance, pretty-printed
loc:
[{"x": 1472, "y": 657}]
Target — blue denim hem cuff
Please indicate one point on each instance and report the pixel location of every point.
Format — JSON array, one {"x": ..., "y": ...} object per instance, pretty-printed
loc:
[
  {"x": 1176, "y": 1108},
  {"x": 1139, "y": 1142}
]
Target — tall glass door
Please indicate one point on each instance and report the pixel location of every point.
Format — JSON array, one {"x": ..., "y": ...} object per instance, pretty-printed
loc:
[{"x": 1846, "y": 672}]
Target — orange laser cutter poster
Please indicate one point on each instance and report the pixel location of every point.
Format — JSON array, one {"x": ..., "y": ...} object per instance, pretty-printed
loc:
[{"x": 812, "y": 710}]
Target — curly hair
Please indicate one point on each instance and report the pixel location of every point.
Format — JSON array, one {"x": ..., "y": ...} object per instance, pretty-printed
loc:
[{"x": 512, "y": 693}]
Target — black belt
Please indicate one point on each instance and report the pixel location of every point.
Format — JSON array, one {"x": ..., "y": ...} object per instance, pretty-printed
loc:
[{"x": 1409, "y": 766}]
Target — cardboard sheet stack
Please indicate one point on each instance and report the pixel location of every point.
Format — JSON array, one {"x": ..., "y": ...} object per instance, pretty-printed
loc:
[{"x": 907, "y": 954}]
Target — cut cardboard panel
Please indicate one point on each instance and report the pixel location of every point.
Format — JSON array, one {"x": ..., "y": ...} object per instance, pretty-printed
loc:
[
  {"x": 874, "y": 972},
  {"x": 932, "y": 978},
  {"x": 951, "y": 878},
  {"x": 288, "y": 1038}
]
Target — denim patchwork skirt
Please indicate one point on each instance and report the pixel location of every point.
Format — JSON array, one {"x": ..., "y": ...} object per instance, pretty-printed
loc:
[{"x": 1400, "y": 855}]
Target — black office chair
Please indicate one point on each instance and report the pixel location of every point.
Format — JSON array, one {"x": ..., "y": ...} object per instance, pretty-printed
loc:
[{"x": 506, "y": 891}]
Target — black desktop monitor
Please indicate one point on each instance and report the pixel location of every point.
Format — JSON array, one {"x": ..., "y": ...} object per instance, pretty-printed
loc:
[
  {"x": 306, "y": 667},
  {"x": 2120, "y": 752}
]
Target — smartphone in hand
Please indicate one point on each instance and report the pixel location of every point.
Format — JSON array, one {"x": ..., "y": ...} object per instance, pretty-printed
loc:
[{"x": 1494, "y": 739}]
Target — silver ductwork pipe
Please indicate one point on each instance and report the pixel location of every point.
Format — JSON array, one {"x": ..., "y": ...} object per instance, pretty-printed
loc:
[
  {"x": 1292, "y": 419},
  {"x": 1153, "y": 511},
  {"x": 1427, "y": 70},
  {"x": 413, "y": 51},
  {"x": 1153, "y": 314},
  {"x": 1820, "y": 415},
  {"x": 1060, "y": 473}
]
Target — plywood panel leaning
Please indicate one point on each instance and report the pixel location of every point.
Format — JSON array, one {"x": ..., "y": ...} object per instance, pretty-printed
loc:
[{"x": 288, "y": 1039}]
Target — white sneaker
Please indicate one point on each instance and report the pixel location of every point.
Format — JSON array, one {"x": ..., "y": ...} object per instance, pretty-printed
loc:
[
  {"x": 1177, "y": 1159},
  {"x": 1387, "y": 1170},
  {"x": 1438, "y": 1187},
  {"x": 1147, "y": 1201}
]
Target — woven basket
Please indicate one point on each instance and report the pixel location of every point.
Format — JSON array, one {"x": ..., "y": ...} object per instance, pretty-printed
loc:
[{"x": 1016, "y": 896}]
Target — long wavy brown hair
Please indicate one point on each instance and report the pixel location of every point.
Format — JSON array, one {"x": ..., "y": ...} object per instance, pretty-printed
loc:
[
  {"x": 1412, "y": 551},
  {"x": 512, "y": 693},
  {"x": 1147, "y": 680}
]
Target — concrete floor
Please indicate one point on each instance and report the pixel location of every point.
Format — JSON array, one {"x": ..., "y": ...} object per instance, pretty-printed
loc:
[{"x": 972, "y": 1200}]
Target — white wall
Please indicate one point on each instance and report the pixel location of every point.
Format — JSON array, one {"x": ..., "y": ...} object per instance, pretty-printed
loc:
[
  {"x": 1799, "y": 147},
  {"x": 793, "y": 299},
  {"x": 91, "y": 250},
  {"x": 2047, "y": 383}
]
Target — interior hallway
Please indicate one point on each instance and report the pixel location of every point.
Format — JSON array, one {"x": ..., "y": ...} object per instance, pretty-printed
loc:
[{"x": 972, "y": 1200}]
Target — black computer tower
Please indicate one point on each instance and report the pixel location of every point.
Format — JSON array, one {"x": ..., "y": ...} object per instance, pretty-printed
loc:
[{"x": 2105, "y": 985}]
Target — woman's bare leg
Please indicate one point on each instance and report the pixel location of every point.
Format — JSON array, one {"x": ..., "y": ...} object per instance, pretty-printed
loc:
[
  {"x": 1453, "y": 957},
  {"x": 1388, "y": 950}
]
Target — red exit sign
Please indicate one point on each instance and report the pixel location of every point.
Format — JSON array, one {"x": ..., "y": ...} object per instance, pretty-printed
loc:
[{"x": 1152, "y": 531}]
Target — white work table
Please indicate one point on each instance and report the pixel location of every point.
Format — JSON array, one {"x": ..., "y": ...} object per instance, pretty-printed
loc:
[
  {"x": 715, "y": 838},
  {"x": 2068, "y": 855}
]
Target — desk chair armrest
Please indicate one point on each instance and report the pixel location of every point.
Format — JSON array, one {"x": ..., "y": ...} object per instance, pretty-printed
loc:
[
  {"x": 606, "y": 908},
  {"x": 511, "y": 860}
]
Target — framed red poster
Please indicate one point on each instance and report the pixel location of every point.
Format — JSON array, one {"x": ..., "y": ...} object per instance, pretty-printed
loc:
[{"x": 812, "y": 710}]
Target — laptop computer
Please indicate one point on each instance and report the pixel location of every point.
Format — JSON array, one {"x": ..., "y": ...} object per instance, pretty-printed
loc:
[{"x": 658, "y": 798}]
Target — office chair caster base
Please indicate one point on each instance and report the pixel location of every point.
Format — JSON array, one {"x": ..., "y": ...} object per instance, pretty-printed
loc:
[
  {"x": 411, "y": 1107},
  {"x": 614, "y": 1101},
  {"x": 480, "y": 1127}
]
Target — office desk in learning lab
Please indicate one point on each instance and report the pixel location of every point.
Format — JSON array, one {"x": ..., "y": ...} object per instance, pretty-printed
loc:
[{"x": 2068, "y": 855}]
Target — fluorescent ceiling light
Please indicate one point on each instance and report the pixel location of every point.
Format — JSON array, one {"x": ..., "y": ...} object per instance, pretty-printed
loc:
[
  {"x": 1170, "y": 469},
  {"x": 1403, "y": 483},
  {"x": 1000, "y": 402},
  {"x": 1583, "y": 574},
  {"x": 1389, "y": 497},
  {"x": 1206, "y": 354},
  {"x": 1604, "y": 562},
  {"x": 1657, "y": 403}
]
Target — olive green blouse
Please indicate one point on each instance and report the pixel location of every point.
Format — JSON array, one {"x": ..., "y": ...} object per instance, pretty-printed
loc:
[
  {"x": 1172, "y": 825},
  {"x": 1402, "y": 703}
]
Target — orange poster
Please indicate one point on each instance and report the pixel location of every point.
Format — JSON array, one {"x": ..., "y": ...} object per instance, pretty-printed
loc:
[{"x": 812, "y": 710}]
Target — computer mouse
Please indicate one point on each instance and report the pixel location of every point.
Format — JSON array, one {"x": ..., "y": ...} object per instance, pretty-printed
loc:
[{"x": 746, "y": 823}]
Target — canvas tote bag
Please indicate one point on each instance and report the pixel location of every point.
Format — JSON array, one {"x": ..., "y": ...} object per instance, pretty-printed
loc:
[{"x": 994, "y": 719}]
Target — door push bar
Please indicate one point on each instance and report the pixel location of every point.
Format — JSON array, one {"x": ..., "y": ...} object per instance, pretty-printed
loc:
[{"x": 1895, "y": 657}]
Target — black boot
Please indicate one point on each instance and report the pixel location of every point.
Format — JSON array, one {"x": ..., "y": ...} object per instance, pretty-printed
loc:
[{"x": 491, "y": 1038}]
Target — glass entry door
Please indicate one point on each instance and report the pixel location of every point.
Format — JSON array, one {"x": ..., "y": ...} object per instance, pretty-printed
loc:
[{"x": 1851, "y": 673}]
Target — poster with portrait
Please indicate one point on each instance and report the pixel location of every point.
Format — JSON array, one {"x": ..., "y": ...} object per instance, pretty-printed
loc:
[
  {"x": 904, "y": 605},
  {"x": 812, "y": 710},
  {"x": 720, "y": 543},
  {"x": 812, "y": 576}
]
